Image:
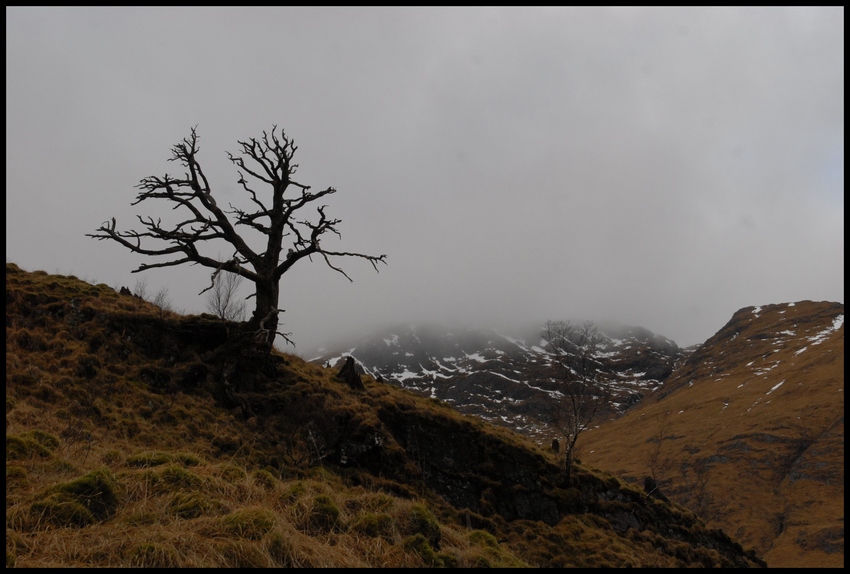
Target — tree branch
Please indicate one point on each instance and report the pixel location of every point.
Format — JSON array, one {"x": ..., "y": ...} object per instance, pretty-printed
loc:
[{"x": 201, "y": 221}]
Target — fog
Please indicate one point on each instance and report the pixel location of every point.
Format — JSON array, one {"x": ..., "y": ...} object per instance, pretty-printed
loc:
[{"x": 659, "y": 167}]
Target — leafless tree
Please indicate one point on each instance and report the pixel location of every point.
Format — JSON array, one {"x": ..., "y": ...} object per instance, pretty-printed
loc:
[
  {"x": 266, "y": 171},
  {"x": 580, "y": 396},
  {"x": 659, "y": 435},
  {"x": 697, "y": 491},
  {"x": 223, "y": 299},
  {"x": 140, "y": 289},
  {"x": 140, "y": 292},
  {"x": 162, "y": 302}
]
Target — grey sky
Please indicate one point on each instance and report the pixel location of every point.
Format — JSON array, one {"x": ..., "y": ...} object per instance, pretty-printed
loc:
[{"x": 657, "y": 167}]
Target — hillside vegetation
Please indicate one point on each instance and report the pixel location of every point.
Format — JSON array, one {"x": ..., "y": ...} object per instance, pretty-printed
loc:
[
  {"x": 138, "y": 437},
  {"x": 749, "y": 433}
]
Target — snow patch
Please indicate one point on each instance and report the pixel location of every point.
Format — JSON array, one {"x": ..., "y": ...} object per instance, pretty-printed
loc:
[{"x": 776, "y": 386}]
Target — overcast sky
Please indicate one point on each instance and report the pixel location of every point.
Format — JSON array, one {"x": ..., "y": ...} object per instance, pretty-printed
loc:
[{"x": 657, "y": 167}]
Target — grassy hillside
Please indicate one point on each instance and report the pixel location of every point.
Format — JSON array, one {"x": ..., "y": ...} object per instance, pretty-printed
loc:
[
  {"x": 136, "y": 437},
  {"x": 749, "y": 433}
]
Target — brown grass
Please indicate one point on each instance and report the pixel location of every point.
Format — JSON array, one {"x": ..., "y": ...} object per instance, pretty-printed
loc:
[
  {"x": 120, "y": 454},
  {"x": 772, "y": 461}
]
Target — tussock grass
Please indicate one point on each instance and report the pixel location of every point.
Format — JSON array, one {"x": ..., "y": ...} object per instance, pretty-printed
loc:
[{"x": 122, "y": 452}]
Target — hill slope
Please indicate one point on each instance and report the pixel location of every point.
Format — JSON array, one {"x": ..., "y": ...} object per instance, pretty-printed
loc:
[
  {"x": 505, "y": 379},
  {"x": 749, "y": 433},
  {"x": 136, "y": 437}
]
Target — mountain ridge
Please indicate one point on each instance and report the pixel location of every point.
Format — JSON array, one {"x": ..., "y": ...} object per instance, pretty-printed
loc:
[
  {"x": 768, "y": 388},
  {"x": 506, "y": 383},
  {"x": 460, "y": 366}
]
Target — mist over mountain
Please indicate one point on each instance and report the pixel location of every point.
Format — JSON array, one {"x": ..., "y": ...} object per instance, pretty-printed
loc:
[
  {"x": 504, "y": 377},
  {"x": 140, "y": 437},
  {"x": 746, "y": 429}
]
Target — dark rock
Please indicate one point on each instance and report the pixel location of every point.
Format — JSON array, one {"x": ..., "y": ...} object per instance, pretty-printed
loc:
[
  {"x": 650, "y": 486},
  {"x": 348, "y": 373}
]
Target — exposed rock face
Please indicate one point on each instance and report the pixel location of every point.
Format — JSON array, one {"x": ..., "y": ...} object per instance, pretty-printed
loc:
[
  {"x": 506, "y": 379},
  {"x": 348, "y": 373},
  {"x": 493, "y": 477}
]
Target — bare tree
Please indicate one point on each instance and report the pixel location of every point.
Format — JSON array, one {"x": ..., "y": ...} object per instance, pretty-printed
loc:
[
  {"x": 277, "y": 216},
  {"x": 580, "y": 396},
  {"x": 659, "y": 435},
  {"x": 140, "y": 289},
  {"x": 140, "y": 292},
  {"x": 697, "y": 491},
  {"x": 162, "y": 302},
  {"x": 223, "y": 299}
]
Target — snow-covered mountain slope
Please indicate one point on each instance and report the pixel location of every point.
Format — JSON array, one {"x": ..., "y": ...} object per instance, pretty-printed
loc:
[{"x": 504, "y": 378}]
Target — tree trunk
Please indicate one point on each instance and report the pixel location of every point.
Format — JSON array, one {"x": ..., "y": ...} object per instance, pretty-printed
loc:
[
  {"x": 265, "y": 318},
  {"x": 569, "y": 454}
]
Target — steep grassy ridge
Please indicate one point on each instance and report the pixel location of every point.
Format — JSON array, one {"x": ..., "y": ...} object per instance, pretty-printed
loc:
[
  {"x": 136, "y": 437},
  {"x": 749, "y": 433}
]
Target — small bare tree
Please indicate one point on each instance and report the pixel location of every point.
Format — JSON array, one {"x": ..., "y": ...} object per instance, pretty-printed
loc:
[
  {"x": 580, "y": 396},
  {"x": 286, "y": 234},
  {"x": 697, "y": 492},
  {"x": 223, "y": 299},
  {"x": 162, "y": 302},
  {"x": 140, "y": 292},
  {"x": 659, "y": 435}
]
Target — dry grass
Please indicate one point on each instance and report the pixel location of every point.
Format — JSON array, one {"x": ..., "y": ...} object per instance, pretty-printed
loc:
[
  {"x": 765, "y": 465},
  {"x": 120, "y": 453}
]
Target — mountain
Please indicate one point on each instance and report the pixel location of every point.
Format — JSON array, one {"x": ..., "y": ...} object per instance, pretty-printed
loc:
[
  {"x": 505, "y": 379},
  {"x": 747, "y": 430},
  {"x": 137, "y": 437}
]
